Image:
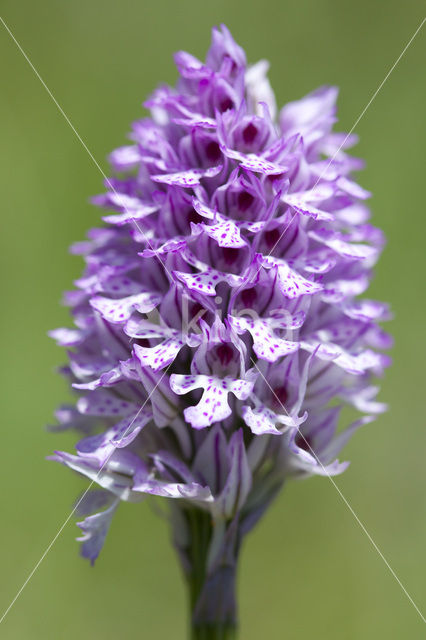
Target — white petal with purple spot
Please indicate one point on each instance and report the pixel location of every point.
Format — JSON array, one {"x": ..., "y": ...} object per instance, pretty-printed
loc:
[
  {"x": 120, "y": 310},
  {"x": 213, "y": 405}
]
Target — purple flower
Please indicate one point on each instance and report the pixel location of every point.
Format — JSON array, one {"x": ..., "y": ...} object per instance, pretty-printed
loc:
[{"x": 218, "y": 330}]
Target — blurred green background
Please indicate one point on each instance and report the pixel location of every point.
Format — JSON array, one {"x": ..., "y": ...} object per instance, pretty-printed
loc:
[{"x": 308, "y": 570}]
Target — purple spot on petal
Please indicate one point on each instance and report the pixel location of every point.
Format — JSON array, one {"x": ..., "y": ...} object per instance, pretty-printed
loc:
[
  {"x": 213, "y": 152},
  {"x": 249, "y": 133},
  {"x": 226, "y": 104},
  {"x": 245, "y": 200}
]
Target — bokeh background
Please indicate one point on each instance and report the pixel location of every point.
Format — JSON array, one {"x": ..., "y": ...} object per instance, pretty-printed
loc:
[{"x": 308, "y": 570}]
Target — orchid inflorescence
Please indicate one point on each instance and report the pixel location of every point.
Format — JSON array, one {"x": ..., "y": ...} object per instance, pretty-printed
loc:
[{"x": 218, "y": 330}]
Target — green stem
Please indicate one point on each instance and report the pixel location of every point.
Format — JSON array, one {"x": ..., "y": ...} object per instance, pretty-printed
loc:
[
  {"x": 214, "y": 632},
  {"x": 211, "y": 592}
]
